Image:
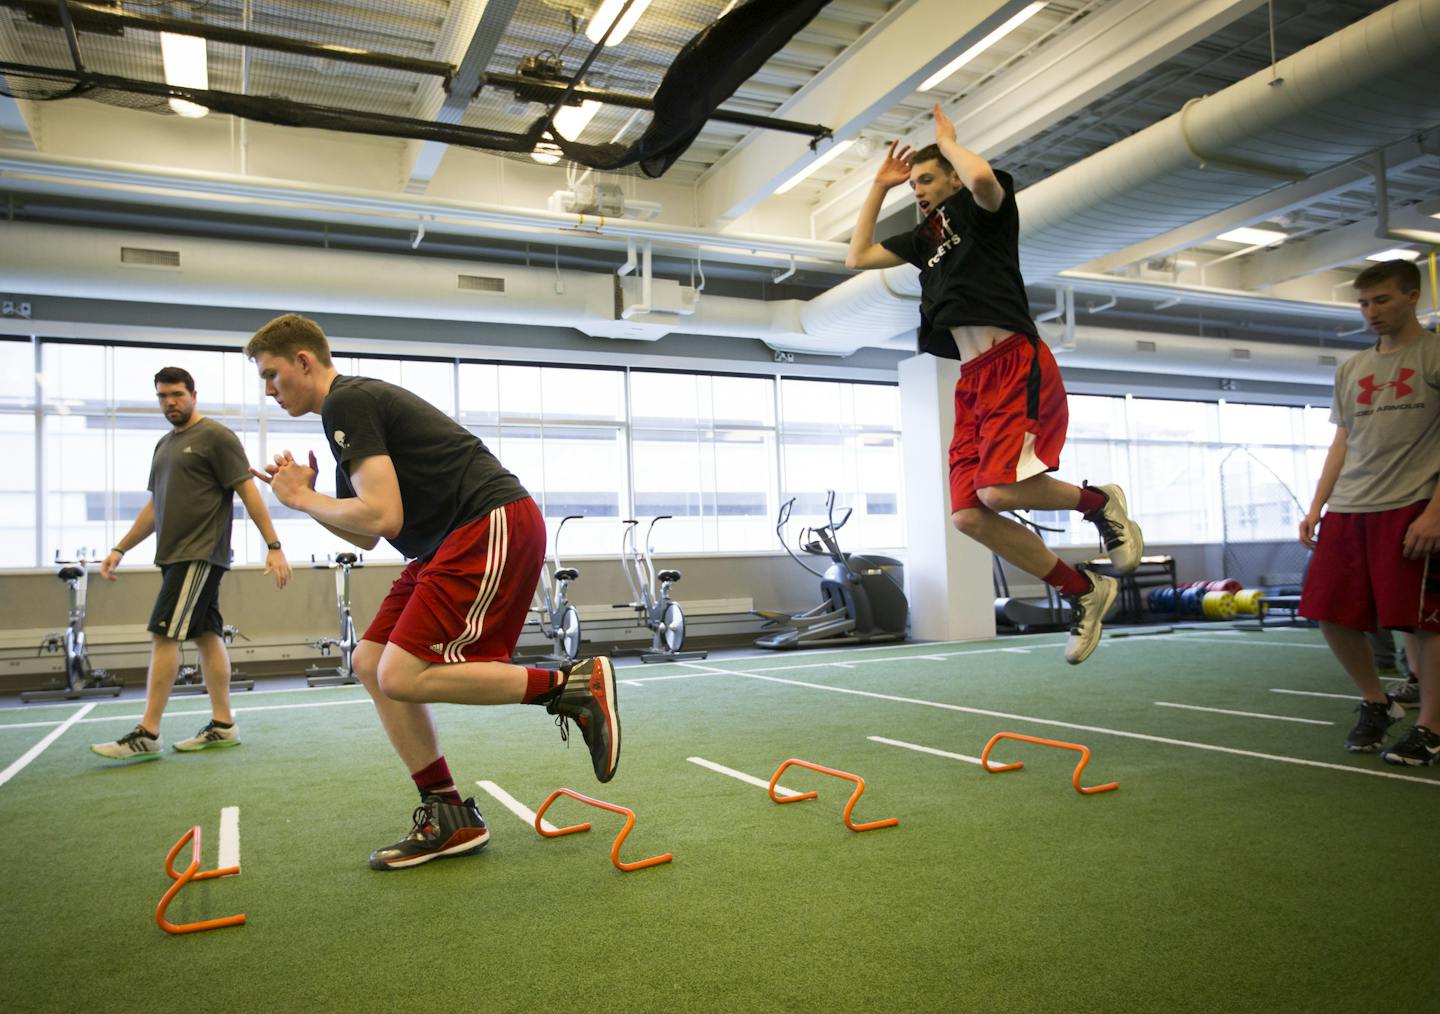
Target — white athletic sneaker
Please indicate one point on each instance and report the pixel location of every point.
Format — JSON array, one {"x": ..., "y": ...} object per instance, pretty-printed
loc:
[
  {"x": 137, "y": 744},
  {"x": 209, "y": 738},
  {"x": 1087, "y": 612},
  {"x": 1121, "y": 536}
]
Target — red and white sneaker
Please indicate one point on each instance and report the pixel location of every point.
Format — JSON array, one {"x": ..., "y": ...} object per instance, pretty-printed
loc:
[
  {"x": 441, "y": 829},
  {"x": 588, "y": 699}
]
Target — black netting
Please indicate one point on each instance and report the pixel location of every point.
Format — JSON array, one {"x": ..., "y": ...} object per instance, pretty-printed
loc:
[{"x": 681, "y": 54}]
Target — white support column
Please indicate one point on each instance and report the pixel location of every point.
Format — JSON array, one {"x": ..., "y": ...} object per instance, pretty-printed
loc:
[{"x": 947, "y": 576}]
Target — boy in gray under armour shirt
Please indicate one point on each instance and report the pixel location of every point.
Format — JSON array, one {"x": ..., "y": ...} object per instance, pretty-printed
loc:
[{"x": 1377, "y": 555}]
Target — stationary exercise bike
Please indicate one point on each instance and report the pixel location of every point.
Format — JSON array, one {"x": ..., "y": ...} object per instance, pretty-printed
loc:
[
  {"x": 81, "y": 679},
  {"x": 344, "y": 673},
  {"x": 652, "y": 602},
  {"x": 863, "y": 596},
  {"x": 190, "y": 681},
  {"x": 559, "y": 620}
]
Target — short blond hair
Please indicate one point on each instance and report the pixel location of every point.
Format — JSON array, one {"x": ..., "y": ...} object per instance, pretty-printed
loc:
[{"x": 288, "y": 334}]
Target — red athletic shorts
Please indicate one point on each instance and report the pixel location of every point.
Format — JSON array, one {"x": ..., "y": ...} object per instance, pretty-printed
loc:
[
  {"x": 1010, "y": 418},
  {"x": 1359, "y": 576},
  {"x": 470, "y": 600}
]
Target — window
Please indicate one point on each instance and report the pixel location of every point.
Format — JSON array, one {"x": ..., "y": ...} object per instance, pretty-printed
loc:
[
  {"x": 1194, "y": 471},
  {"x": 844, "y": 437},
  {"x": 604, "y": 443}
]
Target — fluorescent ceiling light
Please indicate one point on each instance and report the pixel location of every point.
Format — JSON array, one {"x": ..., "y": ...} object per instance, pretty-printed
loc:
[
  {"x": 608, "y": 12},
  {"x": 184, "y": 58},
  {"x": 980, "y": 47},
  {"x": 1254, "y": 237},
  {"x": 1396, "y": 254},
  {"x": 834, "y": 150},
  {"x": 570, "y": 123}
]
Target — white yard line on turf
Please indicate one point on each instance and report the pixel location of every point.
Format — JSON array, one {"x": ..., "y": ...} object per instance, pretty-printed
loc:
[
  {"x": 229, "y": 853},
  {"x": 182, "y": 714},
  {"x": 741, "y": 776},
  {"x": 513, "y": 805},
  {"x": 1249, "y": 641},
  {"x": 39, "y": 748},
  {"x": 925, "y": 749},
  {"x": 1242, "y": 714},
  {"x": 1315, "y": 693},
  {"x": 630, "y": 683},
  {"x": 1433, "y": 782}
]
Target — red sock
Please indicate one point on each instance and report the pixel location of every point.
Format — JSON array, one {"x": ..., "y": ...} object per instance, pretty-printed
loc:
[
  {"x": 540, "y": 681},
  {"x": 1067, "y": 580},
  {"x": 435, "y": 780},
  {"x": 1091, "y": 500}
]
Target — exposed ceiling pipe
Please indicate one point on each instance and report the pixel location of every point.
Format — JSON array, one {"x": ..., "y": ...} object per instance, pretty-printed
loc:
[
  {"x": 1218, "y": 152},
  {"x": 1370, "y": 85},
  {"x": 1102, "y": 348},
  {"x": 1383, "y": 229},
  {"x": 77, "y": 262},
  {"x": 24, "y": 172}
]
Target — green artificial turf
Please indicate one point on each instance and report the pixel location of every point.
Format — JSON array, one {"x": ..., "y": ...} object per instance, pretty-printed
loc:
[{"x": 1210, "y": 881}]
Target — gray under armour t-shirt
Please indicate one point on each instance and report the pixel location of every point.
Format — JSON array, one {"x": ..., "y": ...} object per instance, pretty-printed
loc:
[
  {"x": 193, "y": 476},
  {"x": 1389, "y": 404}
]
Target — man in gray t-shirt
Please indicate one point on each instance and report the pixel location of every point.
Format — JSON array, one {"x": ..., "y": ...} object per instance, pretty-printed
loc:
[
  {"x": 1377, "y": 554},
  {"x": 197, "y": 469}
]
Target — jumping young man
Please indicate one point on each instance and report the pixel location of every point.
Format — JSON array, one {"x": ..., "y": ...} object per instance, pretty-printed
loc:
[
  {"x": 1010, "y": 407},
  {"x": 1377, "y": 552},
  {"x": 197, "y": 469},
  {"x": 408, "y": 473}
]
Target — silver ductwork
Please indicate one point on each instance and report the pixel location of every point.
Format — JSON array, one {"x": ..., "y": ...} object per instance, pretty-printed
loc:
[
  {"x": 75, "y": 262},
  {"x": 1102, "y": 348},
  {"x": 1364, "y": 88}
]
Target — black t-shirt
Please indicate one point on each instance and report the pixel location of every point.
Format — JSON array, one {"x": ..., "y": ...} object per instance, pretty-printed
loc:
[
  {"x": 969, "y": 261},
  {"x": 447, "y": 476}
]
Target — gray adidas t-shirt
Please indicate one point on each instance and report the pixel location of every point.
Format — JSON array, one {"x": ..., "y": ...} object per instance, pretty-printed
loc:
[
  {"x": 1389, "y": 405},
  {"x": 193, "y": 476}
]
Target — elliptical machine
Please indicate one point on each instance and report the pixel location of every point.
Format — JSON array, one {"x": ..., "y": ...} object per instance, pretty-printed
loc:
[
  {"x": 344, "y": 673},
  {"x": 81, "y": 679},
  {"x": 864, "y": 599},
  {"x": 652, "y": 603},
  {"x": 559, "y": 620}
]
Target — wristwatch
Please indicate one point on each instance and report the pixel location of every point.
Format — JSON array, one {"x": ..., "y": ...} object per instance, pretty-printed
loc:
[{"x": 273, "y": 545}]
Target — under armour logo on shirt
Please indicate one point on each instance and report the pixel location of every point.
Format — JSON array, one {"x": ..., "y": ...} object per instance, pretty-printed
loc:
[
  {"x": 1368, "y": 387},
  {"x": 339, "y": 438},
  {"x": 189, "y": 450}
]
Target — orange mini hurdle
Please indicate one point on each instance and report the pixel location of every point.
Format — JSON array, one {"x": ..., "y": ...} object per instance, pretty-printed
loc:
[
  {"x": 854, "y": 796},
  {"x": 1074, "y": 779},
  {"x": 619, "y": 838},
  {"x": 192, "y": 872}
]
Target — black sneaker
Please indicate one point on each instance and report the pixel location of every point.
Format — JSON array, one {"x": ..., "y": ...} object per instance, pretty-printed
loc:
[
  {"x": 1406, "y": 694},
  {"x": 1417, "y": 748},
  {"x": 1375, "y": 720},
  {"x": 1120, "y": 535},
  {"x": 441, "y": 829},
  {"x": 588, "y": 698},
  {"x": 1087, "y": 612}
]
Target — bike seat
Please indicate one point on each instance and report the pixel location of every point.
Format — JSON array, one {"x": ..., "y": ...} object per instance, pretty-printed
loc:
[
  {"x": 346, "y": 559},
  {"x": 568, "y": 574},
  {"x": 70, "y": 573},
  {"x": 669, "y": 575}
]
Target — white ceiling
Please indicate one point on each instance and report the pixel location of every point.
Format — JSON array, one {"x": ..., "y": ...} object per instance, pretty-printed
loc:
[{"x": 1071, "y": 83}]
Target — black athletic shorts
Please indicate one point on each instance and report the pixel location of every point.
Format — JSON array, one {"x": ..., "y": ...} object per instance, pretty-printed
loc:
[{"x": 189, "y": 602}]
